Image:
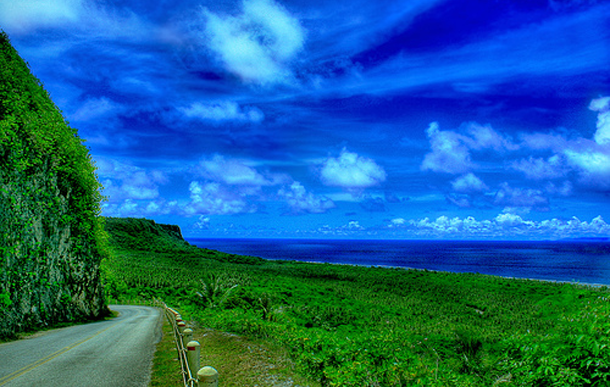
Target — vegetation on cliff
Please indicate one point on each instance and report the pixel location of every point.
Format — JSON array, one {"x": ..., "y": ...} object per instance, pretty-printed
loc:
[
  {"x": 51, "y": 236},
  {"x": 360, "y": 326}
]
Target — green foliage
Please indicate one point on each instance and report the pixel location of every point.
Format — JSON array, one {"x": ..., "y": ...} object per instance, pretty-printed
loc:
[
  {"x": 577, "y": 353},
  {"x": 215, "y": 290},
  {"x": 34, "y": 135},
  {"x": 49, "y": 205},
  {"x": 5, "y": 300},
  {"x": 357, "y": 326}
]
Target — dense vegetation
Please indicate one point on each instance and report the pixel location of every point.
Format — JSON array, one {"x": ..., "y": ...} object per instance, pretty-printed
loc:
[
  {"x": 357, "y": 326},
  {"x": 51, "y": 237}
]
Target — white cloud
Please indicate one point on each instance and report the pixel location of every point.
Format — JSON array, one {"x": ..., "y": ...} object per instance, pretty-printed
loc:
[
  {"x": 460, "y": 200},
  {"x": 589, "y": 158},
  {"x": 398, "y": 222},
  {"x": 505, "y": 225},
  {"x": 257, "y": 45},
  {"x": 214, "y": 199},
  {"x": 450, "y": 154},
  {"x": 595, "y": 163},
  {"x": 141, "y": 188},
  {"x": 565, "y": 189},
  {"x": 509, "y": 219},
  {"x": 508, "y": 196},
  {"x": 445, "y": 225},
  {"x": 543, "y": 141},
  {"x": 468, "y": 183},
  {"x": 132, "y": 191},
  {"x": 283, "y": 32},
  {"x": 485, "y": 137},
  {"x": 602, "y": 105},
  {"x": 540, "y": 169},
  {"x": 451, "y": 151},
  {"x": 351, "y": 171},
  {"x": 96, "y": 108},
  {"x": 353, "y": 225},
  {"x": 124, "y": 181},
  {"x": 126, "y": 208},
  {"x": 222, "y": 111},
  {"x": 299, "y": 200},
  {"x": 582, "y": 160},
  {"x": 230, "y": 186},
  {"x": 139, "y": 208},
  {"x": 22, "y": 16},
  {"x": 203, "y": 223},
  {"x": 231, "y": 172}
]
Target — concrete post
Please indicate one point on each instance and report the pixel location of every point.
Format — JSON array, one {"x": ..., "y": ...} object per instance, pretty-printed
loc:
[
  {"x": 181, "y": 327},
  {"x": 187, "y": 336},
  {"x": 192, "y": 355},
  {"x": 208, "y": 377}
]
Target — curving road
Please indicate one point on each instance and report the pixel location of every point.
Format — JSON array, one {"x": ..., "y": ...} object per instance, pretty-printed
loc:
[{"x": 113, "y": 353}]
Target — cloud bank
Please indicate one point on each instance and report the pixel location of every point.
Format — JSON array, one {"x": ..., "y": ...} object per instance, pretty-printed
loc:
[
  {"x": 505, "y": 225},
  {"x": 553, "y": 165}
]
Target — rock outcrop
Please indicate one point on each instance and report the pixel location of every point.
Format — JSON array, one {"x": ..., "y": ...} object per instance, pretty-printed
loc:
[{"x": 51, "y": 234}]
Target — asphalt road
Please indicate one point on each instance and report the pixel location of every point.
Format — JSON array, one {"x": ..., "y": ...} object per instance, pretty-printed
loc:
[{"x": 113, "y": 353}]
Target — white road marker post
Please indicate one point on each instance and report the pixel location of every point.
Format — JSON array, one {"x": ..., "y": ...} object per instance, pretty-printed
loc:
[
  {"x": 192, "y": 355},
  {"x": 181, "y": 327},
  {"x": 187, "y": 336},
  {"x": 208, "y": 377}
]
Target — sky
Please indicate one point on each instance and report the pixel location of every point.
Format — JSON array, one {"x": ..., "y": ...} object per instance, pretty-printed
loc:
[{"x": 412, "y": 119}]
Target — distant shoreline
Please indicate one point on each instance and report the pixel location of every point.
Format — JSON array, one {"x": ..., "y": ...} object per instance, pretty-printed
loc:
[
  {"x": 583, "y": 262},
  {"x": 560, "y": 240}
]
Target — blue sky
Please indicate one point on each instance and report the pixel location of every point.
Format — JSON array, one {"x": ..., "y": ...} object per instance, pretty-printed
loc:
[{"x": 317, "y": 119}]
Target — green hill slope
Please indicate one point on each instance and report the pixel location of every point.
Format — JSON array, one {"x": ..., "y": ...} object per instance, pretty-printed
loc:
[
  {"x": 143, "y": 234},
  {"x": 51, "y": 237},
  {"x": 367, "y": 326}
]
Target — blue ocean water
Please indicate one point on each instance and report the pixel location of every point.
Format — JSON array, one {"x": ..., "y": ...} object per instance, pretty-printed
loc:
[{"x": 571, "y": 261}]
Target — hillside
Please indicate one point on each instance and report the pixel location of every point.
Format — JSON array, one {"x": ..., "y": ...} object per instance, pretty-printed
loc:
[
  {"x": 51, "y": 237},
  {"x": 127, "y": 235},
  {"x": 144, "y": 234},
  {"x": 368, "y": 326}
]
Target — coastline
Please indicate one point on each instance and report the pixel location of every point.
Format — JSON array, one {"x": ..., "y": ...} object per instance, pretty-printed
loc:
[{"x": 575, "y": 262}]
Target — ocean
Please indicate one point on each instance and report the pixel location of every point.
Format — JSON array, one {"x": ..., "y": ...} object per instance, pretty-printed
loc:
[{"x": 566, "y": 261}]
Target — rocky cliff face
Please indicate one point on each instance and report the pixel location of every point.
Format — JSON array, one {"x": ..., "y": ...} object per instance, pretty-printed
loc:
[{"x": 51, "y": 235}]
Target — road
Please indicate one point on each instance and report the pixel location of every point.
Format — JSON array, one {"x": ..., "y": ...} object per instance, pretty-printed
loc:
[{"x": 113, "y": 353}]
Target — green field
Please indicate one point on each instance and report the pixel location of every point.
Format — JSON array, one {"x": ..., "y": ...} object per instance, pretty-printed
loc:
[{"x": 358, "y": 326}]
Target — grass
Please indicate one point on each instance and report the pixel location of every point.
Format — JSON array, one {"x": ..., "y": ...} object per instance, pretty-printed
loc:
[
  {"x": 242, "y": 361},
  {"x": 239, "y": 360},
  {"x": 166, "y": 371}
]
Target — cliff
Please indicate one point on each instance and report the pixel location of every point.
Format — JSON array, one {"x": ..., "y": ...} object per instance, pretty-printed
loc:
[
  {"x": 51, "y": 235},
  {"x": 138, "y": 235},
  {"x": 146, "y": 235}
]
